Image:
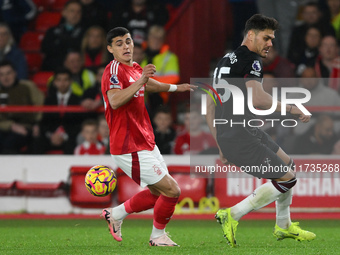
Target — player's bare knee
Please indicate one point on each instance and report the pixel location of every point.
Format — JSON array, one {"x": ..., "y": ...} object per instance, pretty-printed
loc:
[{"x": 174, "y": 190}]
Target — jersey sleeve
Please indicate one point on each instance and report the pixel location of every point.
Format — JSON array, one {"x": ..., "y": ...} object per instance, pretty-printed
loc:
[
  {"x": 111, "y": 80},
  {"x": 253, "y": 70}
]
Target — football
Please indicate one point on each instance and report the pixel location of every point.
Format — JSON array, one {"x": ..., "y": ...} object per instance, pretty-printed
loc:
[{"x": 100, "y": 181}]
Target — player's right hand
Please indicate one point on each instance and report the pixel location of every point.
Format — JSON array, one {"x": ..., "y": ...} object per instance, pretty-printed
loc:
[
  {"x": 148, "y": 71},
  {"x": 297, "y": 112}
]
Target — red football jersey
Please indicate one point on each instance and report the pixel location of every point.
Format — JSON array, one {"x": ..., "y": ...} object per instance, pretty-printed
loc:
[{"x": 130, "y": 126}]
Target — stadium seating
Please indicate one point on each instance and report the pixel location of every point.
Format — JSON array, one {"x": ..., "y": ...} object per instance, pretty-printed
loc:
[
  {"x": 41, "y": 189},
  {"x": 45, "y": 20},
  {"x": 41, "y": 78},
  {"x": 7, "y": 188},
  {"x": 31, "y": 41},
  {"x": 194, "y": 187},
  {"x": 57, "y": 5},
  {"x": 41, "y": 4},
  {"x": 79, "y": 196},
  {"x": 126, "y": 187},
  {"x": 34, "y": 61}
]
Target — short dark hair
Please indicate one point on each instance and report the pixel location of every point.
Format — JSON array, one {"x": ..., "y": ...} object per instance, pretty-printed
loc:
[
  {"x": 163, "y": 109},
  {"x": 311, "y": 4},
  {"x": 260, "y": 22},
  {"x": 72, "y": 51},
  {"x": 62, "y": 70},
  {"x": 7, "y": 63},
  {"x": 89, "y": 122},
  {"x": 72, "y": 2},
  {"x": 114, "y": 32}
]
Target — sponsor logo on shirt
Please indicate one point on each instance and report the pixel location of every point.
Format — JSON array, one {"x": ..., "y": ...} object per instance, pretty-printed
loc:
[
  {"x": 140, "y": 92},
  {"x": 255, "y": 73}
]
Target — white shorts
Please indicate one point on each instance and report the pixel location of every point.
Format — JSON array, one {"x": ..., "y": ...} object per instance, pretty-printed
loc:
[{"x": 144, "y": 167}]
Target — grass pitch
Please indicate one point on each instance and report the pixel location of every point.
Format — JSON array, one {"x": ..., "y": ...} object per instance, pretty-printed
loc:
[{"x": 195, "y": 237}]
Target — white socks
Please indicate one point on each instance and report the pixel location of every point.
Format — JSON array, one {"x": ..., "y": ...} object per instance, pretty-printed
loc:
[
  {"x": 262, "y": 196},
  {"x": 283, "y": 209},
  {"x": 157, "y": 232},
  {"x": 118, "y": 212}
]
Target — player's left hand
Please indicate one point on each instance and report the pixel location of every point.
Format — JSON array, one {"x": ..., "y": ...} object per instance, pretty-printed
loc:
[
  {"x": 297, "y": 112},
  {"x": 185, "y": 87}
]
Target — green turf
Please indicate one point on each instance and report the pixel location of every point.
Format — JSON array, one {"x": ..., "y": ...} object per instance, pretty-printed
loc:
[{"x": 195, "y": 237}]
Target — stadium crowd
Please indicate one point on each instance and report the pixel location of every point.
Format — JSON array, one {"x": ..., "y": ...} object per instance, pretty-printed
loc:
[{"x": 54, "y": 53}]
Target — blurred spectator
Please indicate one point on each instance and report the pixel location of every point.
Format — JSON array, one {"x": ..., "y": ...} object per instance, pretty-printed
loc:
[
  {"x": 285, "y": 13},
  {"x": 66, "y": 36},
  {"x": 93, "y": 14},
  {"x": 336, "y": 148},
  {"x": 137, "y": 16},
  {"x": 308, "y": 55},
  {"x": 164, "y": 133},
  {"x": 328, "y": 62},
  {"x": 166, "y": 62},
  {"x": 93, "y": 48},
  {"x": 59, "y": 130},
  {"x": 159, "y": 54},
  {"x": 279, "y": 66},
  {"x": 9, "y": 51},
  {"x": 91, "y": 145},
  {"x": 194, "y": 140},
  {"x": 16, "y": 128},
  {"x": 311, "y": 15},
  {"x": 334, "y": 11},
  {"x": 92, "y": 97},
  {"x": 320, "y": 95},
  {"x": 104, "y": 133},
  {"x": 320, "y": 139},
  {"x": 82, "y": 78},
  {"x": 138, "y": 53},
  {"x": 17, "y": 14}
]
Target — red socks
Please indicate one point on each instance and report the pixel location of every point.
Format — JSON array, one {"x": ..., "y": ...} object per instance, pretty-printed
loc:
[
  {"x": 163, "y": 210},
  {"x": 142, "y": 201},
  {"x": 163, "y": 206}
]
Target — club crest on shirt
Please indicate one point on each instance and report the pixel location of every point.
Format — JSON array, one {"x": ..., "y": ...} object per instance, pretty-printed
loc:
[
  {"x": 114, "y": 79},
  {"x": 256, "y": 66},
  {"x": 140, "y": 92}
]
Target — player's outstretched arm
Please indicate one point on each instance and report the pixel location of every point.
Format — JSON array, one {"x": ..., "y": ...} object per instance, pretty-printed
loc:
[
  {"x": 263, "y": 100},
  {"x": 297, "y": 112},
  {"x": 154, "y": 86},
  {"x": 119, "y": 97},
  {"x": 210, "y": 120}
]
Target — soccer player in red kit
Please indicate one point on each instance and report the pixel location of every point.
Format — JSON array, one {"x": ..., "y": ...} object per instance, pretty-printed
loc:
[{"x": 132, "y": 142}]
